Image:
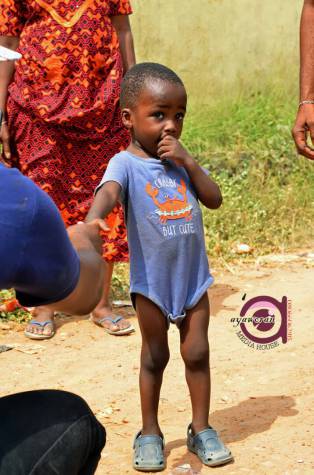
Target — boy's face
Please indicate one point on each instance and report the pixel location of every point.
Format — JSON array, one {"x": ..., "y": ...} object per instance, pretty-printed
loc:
[{"x": 159, "y": 111}]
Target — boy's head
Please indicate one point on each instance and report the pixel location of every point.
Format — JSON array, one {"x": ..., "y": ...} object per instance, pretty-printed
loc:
[
  {"x": 153, "y": 102},
  {"x": 143, "y": 75}
]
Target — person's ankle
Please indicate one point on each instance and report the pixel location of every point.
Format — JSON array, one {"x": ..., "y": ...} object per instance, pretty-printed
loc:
[
  {"x": 151, "y": 430},
  {"x": 198, "y": 427},
  {"x": 43, "y": 315}
]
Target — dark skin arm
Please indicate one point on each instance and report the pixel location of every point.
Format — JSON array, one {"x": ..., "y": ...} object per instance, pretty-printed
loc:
[
  {"x": 121, "y": 24},
  {"x": 86, "y": 240},
  {"x": 304, "y": 122},
  {"x": 105, "y": 200},
  {"x": 207, "y": 190},
  {"x": 6, "y": 74}
]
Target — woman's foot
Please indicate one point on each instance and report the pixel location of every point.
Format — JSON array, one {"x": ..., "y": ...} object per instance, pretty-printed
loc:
[
  {"x": 41, "y": 327},
  {"x": 111, "y": 323}
]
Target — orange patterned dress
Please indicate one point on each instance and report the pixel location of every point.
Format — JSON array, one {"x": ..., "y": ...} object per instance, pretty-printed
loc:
[{"x": 63, "y": 107}]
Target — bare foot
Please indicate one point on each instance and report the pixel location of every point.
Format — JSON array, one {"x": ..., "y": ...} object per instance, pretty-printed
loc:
[
  {"x": 42, "y": 324},
  {"x": 111, "y": 322}
]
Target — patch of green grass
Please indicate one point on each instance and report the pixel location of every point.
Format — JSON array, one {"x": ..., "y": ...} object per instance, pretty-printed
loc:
[
  {"x": 120, "y": 282},
  {"x": 268, "y": 190}
]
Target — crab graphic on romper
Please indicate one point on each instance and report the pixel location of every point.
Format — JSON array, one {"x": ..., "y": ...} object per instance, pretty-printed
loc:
[{"x": 171, "y": 207}]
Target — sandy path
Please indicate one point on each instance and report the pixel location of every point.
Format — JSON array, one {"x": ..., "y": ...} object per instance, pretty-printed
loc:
[{"x": 262, "y": 401}]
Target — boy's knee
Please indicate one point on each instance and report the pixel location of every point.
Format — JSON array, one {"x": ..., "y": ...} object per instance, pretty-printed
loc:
[
  {"x": 196, "y": 357},
  {"x": 155, "y": 362}
]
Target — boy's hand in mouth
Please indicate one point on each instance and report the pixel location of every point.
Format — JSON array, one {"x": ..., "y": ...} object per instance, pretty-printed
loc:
[{"x": 169, "y": 148}]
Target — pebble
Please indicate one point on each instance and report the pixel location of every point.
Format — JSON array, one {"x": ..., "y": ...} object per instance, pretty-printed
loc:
[{"x": 184, "y": 469}]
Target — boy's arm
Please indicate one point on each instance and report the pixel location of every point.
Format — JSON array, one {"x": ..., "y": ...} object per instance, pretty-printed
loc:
[
  {"x": 85, "y": 239},
  {"x": 305, "y": 115},
  {"x": 207, "y": 190},
  {"x": 121, "y": 24},
  {"x": 105, "y": 200}
]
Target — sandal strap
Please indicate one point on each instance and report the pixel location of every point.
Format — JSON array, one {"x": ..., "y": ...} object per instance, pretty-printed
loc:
[
  {"x": 40, "y": 324},
  {"x": 110, "y": 319}
]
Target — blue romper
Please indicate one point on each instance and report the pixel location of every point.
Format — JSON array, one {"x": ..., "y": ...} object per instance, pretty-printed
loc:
[
  {"x": 36, "y": 255},
  {"x": 168, "y": 261}
]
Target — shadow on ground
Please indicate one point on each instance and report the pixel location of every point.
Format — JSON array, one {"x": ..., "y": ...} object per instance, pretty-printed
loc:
[{"x": 238, "y": 422}]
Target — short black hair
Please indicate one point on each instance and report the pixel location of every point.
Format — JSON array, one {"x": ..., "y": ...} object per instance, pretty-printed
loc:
[{"x": 139, "y": 75}]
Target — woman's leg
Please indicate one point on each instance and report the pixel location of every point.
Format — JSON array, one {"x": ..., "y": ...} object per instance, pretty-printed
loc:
[
  {"x": 41, "y": 315},
  {"x": 64, "y": 437},
  {"x": 195, "y": 353},
  {"x": 154, "y": 359},
  {"x": 104, "y": 308}
]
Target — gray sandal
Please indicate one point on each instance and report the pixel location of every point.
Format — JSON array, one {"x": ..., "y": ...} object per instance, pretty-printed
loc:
[
  {"x": 208, "y": 447},
  {"x": 148, "y": 453}
]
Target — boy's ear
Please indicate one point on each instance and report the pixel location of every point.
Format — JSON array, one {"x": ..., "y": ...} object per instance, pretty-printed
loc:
[{"x": 126, "y": 118}]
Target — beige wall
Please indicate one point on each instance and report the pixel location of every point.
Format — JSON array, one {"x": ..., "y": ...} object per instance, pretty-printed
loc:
[{"x": 220, "y": 46}]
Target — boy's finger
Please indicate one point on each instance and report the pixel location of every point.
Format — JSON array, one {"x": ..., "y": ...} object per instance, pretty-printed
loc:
[
  {"x": 165, "y": 156},
  {"x": 166, "y": 140},
  {"x": 101, "y": 224},
  {"x": 163, "y": 148},
  {"x": 169, "y": 138}
]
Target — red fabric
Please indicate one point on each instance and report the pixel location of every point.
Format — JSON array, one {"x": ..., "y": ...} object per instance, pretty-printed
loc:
[{"x": 63, "y": 106}]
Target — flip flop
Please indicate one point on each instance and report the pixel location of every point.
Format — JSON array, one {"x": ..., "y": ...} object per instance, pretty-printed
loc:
[
  {"x": 149, "y": 453},
  {"x": 208, "y": 447},
  {"x": 114, "y": 321},
  {"x": 40, "y": 336}
]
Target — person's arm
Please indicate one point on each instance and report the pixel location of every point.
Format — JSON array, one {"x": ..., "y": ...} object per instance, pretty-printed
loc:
[
  {"x": 6, "y": 74},
  {"x": 86, "y": 240},
  {"x": 105, "y": 200},
  {"x": 207, "y": 190},
  {"x": 121, "y": 24},
  {"x": 304, "y": 122}
]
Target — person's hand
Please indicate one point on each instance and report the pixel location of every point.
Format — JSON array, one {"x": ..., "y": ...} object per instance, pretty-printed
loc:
[
  {"x": 89, "y": 231},
  {"x": 5, "y": 156},
  {"x": 169, "y": 148},
  {"x": 303, "y": 126}
]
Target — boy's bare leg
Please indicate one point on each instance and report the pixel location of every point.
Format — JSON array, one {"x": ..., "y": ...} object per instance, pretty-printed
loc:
[
  {"x": 194, "y": 348},
  {"x": 154, "y": 359}
]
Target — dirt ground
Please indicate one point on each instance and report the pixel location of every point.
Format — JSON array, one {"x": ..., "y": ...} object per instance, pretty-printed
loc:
[{"x": 262, "y": 400}]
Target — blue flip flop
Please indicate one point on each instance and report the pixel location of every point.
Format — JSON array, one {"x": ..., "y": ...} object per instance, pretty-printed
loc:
[
  {"x": 40, "y": 336},
  {"x": 149, "y": 453},
  {"x": 114, "y": 321},
  {"x": 208, "y": 447}
]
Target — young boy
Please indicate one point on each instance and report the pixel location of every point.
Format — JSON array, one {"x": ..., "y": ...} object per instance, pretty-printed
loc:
[{"x": 160, "y": 185}]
